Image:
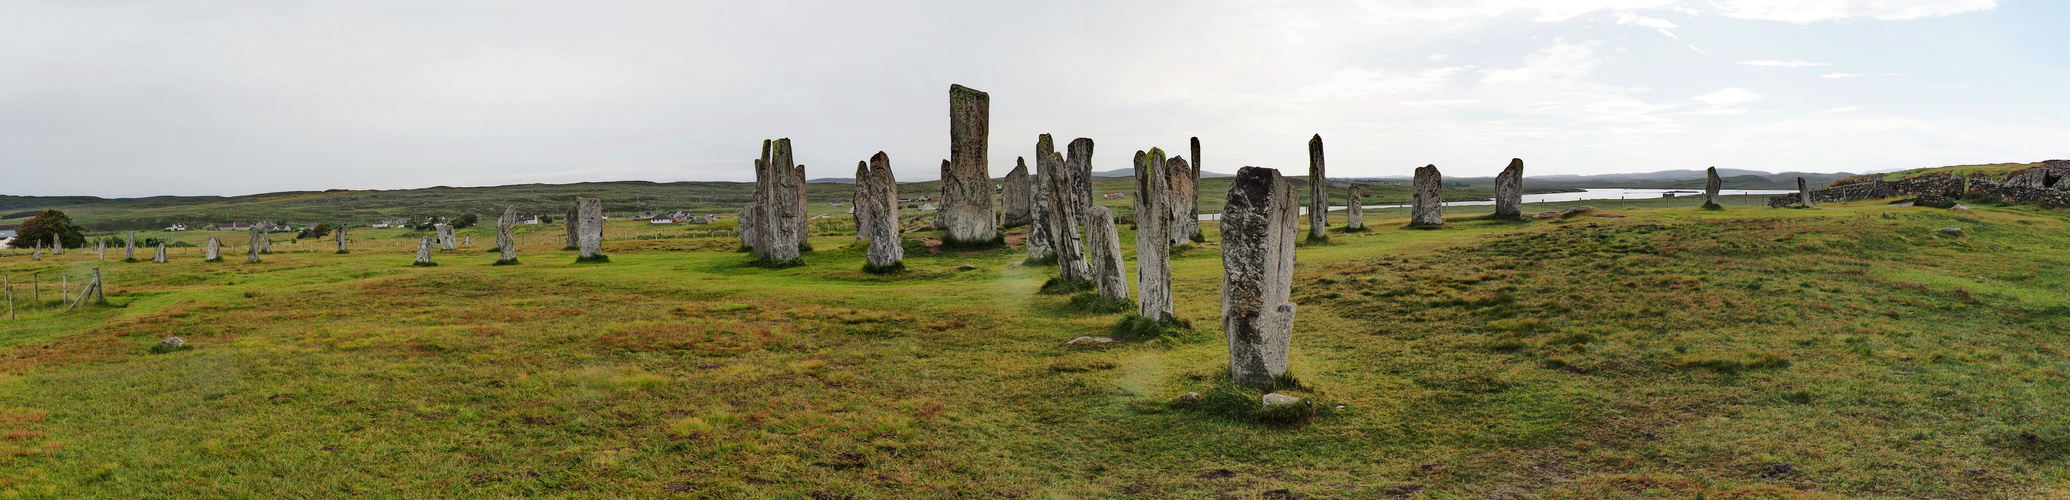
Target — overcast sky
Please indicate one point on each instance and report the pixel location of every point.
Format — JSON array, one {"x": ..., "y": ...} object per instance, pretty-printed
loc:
[{"x": 120, "y": 98}]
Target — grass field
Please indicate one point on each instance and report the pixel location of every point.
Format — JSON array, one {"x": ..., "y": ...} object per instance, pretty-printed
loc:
[{"x": 1844, "y": 351}]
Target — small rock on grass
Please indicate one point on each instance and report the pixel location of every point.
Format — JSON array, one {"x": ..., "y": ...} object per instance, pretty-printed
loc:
[
  {"x": 1090, "y": 341},
  {"x": 1276, "y": 399},
  {"x": 1951, "y": 231},
  {"x": 1191, "y": 397},
  {"x": 172, "y": 342}
]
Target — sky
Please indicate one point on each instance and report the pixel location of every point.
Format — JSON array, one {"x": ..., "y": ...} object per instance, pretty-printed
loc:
[{"x": 131, "y": 98}]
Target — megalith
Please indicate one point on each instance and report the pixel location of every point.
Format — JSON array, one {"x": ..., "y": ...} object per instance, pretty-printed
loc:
[
  {"x": 504, "y": 240},
  {"x": 1191, "y": 205},
  {"x": 966, "y": 205},
  {"x": 1354, "y": 208},
  {"x": 424, "y": 252},
  {"x": 804, "y": 219},
  {"x": 160, "y": 258},
  {"x": 57, "y": 246},
  {"x": 1067, "y": 210},
  {"x": 129, "y": 250},
  {"x": 573, "y": 223},
  {"x": 1426, "y": 209},
  {"x": 1259, "y": 221},
  {"x": 1079, "y": 158},
  {"x": 780, "y": 211},
  {"x": 863, "y": 206},
  {"x": 1153, "y": 234},
  {"x": 1509, "y": 191},
  {"x": 1712, "y": 184},
  {"x": 1179, "y": 178},
  {"x": 212, "y": 251},
  {"x": 745, "y": 225},
  {"x": 445, "y": 236},
  {"x": 1103, "y": 241},
  {"x": 1041, "y": 242},
  {"x": 591, "y": 246},
  {"x": 344, "y": 245},
  {"x": 251, "y": 250},
  {"x": 265, "y": 239},
  {"x": 1318, "y": 191},
  {"x": 1803, "y": 193},
  {"x": 1015, "y": 198},
  {"x": 100, "y": 248},
  {"x": 887, "y": 240}
]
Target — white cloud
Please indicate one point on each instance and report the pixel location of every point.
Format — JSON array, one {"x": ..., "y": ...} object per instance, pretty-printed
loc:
[
  {"x": 1794, "y": 63},
  {"x": 1843, "y": 109},
  {"x": 1811, "y": 11},
  {"x": 1728, "y": 97},
  {"x": 1354, "y": 83},
  {"x": 1548, "y": 10},
  {"x": 1661, "y": 25},
  {"x": 1856, "y": 75},
  {"x": 1563, "y": 61},
  {"x": 1439, "y": 57}
]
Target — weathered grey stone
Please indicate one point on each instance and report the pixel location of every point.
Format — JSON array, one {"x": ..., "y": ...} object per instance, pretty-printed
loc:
[
  {"x": 1712, "y": 184},
  {"x": 212, "y": 251},
  {"x": 1041, "y": 243},
  {"x": 804, "y": 219},
  {"x": 160, "y": 258},
  {"x": 251, "y": 250},
  {"x": 1277, "y": 399},
  {"x": 966, "y": 207},
  {"x": 573, "y": 223},
  {"x": 129, "y": 250},
  {"x": 445, "y": 236},
  {"x": 172, "y": 343},
  {"x": 1153, "y": 233},
  {"x": 591, "y": 210},
  {"x": 266, "y": 240},
  {"x": 1015, "y": 199},
  {"x": 1952, "y": 231},
  {"x": 57, "y": 245},
  {"x": 504, "y": 240},
  {"x": 1803, "y": 193},
  {"x": 1509, "y": 190},
  {"x": 1180, "y": 199},
  {"x": 100, "y": 248},
  {"x": 1426, "y": 208},
  {"x": 758, "y": 222},
  {"x": 1354, "y": 208},
  {"x": 745, "y": 221},
  {"x": 1068, "y": 211},
  {"x": 1191, "y": 220},
  {"x": 1191, "y": 397},
  {"x": 1079, "y": 158},
  {"x": 424, "y": 252},
  {"x": 1259, "y": 222},
  {"x": 887, "y": 238},
  {"x": 862, "y": 207},
  {"x": 1103, "y": 241},
  {"x": 1318, "y": 191},
  {"x": 344, "y": 243},
  {"x": 780, "y": 219},
  {"x": 38, "y": 253}
]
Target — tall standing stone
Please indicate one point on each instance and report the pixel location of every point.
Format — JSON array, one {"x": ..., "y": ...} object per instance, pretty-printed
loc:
[
  {"x": 445, "y": 236},
  {"x": 424, "y": 252},
  {"x": 212, "y": 251},
  {"x": 1042, "y": 236},
  {"x": 592, "y": 211},
  {"x": 1178, "y": 185},
  {"x": 57, "y": 246},
  {"x": 344, "y": 243},
  {"x": 129, "y": 250},
  {"x": 863, "y": 207},
  {"x": 504, "y": 239},
  {"x": 1318, "y": 191},
  {"x": 887, "y": 240},
  {"x": 1068, "y": 206},
  {"x": 1015, "y": 198},
  {"x": 38, "y": 254},
  {"x": 160, "y": 258},
  {"x": 804, "y": 220},
  {"x": 100, "y": 248},
  {"x": 745, "y": 225},
  {"x": 1103, "y": 241},
  {"x": 1189, "y": 214},
  {"x": 251, "y": 246},
  {"x": 1079, "y": 158},
  {"x": 1509, "y": 191},
  {"x": 966, "y": 206},
  {"x": 266, "y": 240},
  {"x": 780, "y": 218},
  {"x": 1803, "y": 193},
  {"x": 1259, "y": 221},
  {"x": 1426, "y": 208},
  {"x": 1355, "y": 208},
  {"x": 1153, "y": 234},
  {"x": 1712, "y": 184},
  {"x": 573, "y": 223}
]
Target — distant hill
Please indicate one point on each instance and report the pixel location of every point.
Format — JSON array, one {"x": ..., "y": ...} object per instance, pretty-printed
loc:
[
  {"x": 1130, "y": 172},
  {"x": 1665, "y": 179}
]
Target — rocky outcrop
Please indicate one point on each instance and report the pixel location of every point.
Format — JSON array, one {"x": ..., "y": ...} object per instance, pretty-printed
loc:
[
  {"x": 1874, "y": 187},
  {"x": 2052, "y": 198},
  {"x": 966, "y": 206},
  {"x": 1016, "y": 198},
  {"x": 1712, "y": 184},
  {"x": 1426, "y": 206},
  {"x": 590, "y": 243},
  {"x": 1154, "y": 230},
  {"x": 1509, "y": 191},
  {"x": 878, "y": 189},
  {"x": 1318, "y": 191},
  {"x": 1259, "y": 221},
  {"x": 1103, "y": 241},
  {"x": 504, "y": 240}
]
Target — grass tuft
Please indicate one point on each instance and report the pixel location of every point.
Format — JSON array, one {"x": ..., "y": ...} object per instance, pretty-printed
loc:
[
  {"x": 1093, "y": 302},
  {"x": 593, "y": 259},
  {"x": 893, "y": 268},
  {"x": 501, "y": 262},
  {"x": 424, "y": 264},
  {"x": 1057, "y": 286},
  {"x": 1136, "y": 327},
  {"x": 767, "y": 263}
]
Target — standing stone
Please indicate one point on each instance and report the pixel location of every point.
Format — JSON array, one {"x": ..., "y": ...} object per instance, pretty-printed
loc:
[
  {"x": 1318, "y": 191},
  {"x": 1067, "y": 205},
  {"x": 1259, "y": 221},
  {"x": 504, "y": 240},
  {"x": 966, "y": 206},
  {"x": 424, "y": 252},
  {"x": 265, "y": 240},
  {"x": 1803, "y": 193},
  {"x": 804, "y": 205},
  {"x": 57, "y": 246},
  {"x": 780, "y": 216},
  {"x": 1509, "y": 191},
  {"x": 445, "y": 235},
  {"x": 1041, "y": 243},
  {"x": 1016, "y": 198},
  {"x": 160, "y": 258},
  {"x": 1711, "y": 185},
  {"x": 38, "y": 254},
  {"x": 573, "y": 222},
  {"x": 129, "y": 250},
  {"x": 1426, "y": 208},
  {"x": 592, "y": 211},
  {"x": 863, "y": 207},
  {"x": 100, "y": 248},
  {"x": 1103, "y": 240},
  {"x": 887, "y": 240},
  {"x": 1354, "y": 208},
  {"x": 1080, "y": 159},
  {"x": 251, "y": 246},
  {"x": 212, "y": 251},
  {"x": 1153, "y": 234},
  {"x": 1178, "y": 186},
  {"x": 1189, "y": 206},
  {"x": 343, "y": 243},
  {"x": 745, "y": 220}
]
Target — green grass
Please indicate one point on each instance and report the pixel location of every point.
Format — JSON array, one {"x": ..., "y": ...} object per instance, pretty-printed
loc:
[{"x": 1674, "y": 352}]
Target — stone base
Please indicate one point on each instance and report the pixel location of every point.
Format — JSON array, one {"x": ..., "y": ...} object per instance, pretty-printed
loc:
[
  {"x": 953, "y": 244},
  {"x": 1093, "y": 302},
  {"x": 424, "y": 264},
  {"x": 893, "y": 268},
  {"x": 1413, "y": 225},
  {"x": 1318, "y": 238},
  {"x": 217, "y": 259},
  {"x": 1044, "y": 261},
  {"x": 593, "y": 259},
  {"x": 500, "y": 262},
  {"x": 1059, "y": 286},
  {"x": 340, "y": 252},
  {"x": 1713, "y": 206}
]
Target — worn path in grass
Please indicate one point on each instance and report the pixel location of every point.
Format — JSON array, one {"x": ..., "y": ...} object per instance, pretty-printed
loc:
[{"x": 1846, "y": 351}]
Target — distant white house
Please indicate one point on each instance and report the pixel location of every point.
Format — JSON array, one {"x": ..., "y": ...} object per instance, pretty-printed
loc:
[
  {"x": 528, "y": 219},
  {"x": 660, "y": 221},
  {"x": 176, "y": 227}
]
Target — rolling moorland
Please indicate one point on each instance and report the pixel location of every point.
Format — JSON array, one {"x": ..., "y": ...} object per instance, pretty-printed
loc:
[{"x": 1639, "y": 350}]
